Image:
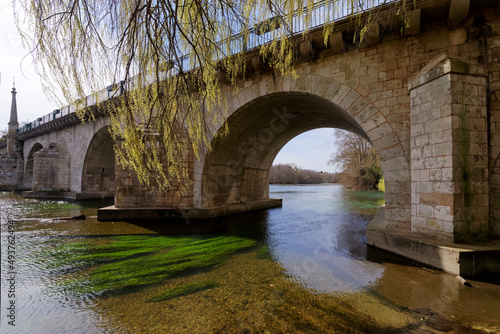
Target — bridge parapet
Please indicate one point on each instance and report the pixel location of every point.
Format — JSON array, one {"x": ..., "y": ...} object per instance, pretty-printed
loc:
[
  {"x": 66, "y": 116},
  {"x": 319, "y": 14}
]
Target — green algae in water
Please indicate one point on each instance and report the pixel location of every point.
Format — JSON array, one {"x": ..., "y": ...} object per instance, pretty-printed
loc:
[
  {"x": 19, "y": 207},
  {"x": 360, "y": 201},
  {"x": 183, "y": 290},
  {"x": 52, "y": 206},
  {"x": 134, "y": 261},
  {"x": 122, "y": 247},
  {"x": 265, "y": 253}
]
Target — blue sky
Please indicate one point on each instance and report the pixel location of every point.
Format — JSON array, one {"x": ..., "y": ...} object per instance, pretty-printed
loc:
[{"x": 310, "y": 150}]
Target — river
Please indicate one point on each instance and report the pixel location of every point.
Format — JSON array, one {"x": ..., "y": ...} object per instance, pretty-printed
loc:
[{"x": 302, "y": 268}]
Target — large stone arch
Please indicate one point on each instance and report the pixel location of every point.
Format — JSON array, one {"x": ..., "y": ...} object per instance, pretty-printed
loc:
[
  {"x": 266, "y": 115},
  {"x": 98, "y": 172}
]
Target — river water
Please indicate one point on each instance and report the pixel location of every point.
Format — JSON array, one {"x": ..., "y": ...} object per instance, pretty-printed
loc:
[{"x": 302, "y": 268}]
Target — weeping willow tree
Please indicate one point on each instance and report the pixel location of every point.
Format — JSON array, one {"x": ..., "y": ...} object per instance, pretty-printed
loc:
[{"x": 164, "y": 63}]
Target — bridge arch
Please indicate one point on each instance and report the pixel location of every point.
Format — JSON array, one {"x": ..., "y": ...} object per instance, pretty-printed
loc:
[
  {"x": 268, "y": 114},
  {"x": 98, "y": 172},
  {"x": 48, "y": 167},
  {"x": 29, "y": 165}
]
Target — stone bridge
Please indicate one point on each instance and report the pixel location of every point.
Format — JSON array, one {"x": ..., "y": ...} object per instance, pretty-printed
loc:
[{"x": 426, "y": 98}]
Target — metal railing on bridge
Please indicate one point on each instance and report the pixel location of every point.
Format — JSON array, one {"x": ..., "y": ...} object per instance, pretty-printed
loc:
[{"x": 326, "y": 11}]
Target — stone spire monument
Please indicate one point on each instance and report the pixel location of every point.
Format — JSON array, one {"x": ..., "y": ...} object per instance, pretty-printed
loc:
[{"x": 13, "y": 124}]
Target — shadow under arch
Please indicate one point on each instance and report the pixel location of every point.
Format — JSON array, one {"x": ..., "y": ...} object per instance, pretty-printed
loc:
[
  {"x": 98, "y": 172},
  {"x": 237, "y": 168}
]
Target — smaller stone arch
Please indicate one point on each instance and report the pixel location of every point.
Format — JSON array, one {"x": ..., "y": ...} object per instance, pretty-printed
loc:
[
  {"x": 29, "y": 165},
  {"x": 51, "y": 169}
]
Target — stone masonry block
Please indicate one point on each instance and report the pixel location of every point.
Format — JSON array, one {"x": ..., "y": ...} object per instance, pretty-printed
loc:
[
  {"x": 424, "y": 175},
  {"x": 380, "y": 131},
  {"x": 390, "y": 152},
  {"x": 443, "y": 213},
  {"x": 349, "y": 99},
  {"x": 386, "y": 141},
  {"x": 422, "y": 140},
  {"x": 373, "y": 122},
  {"x": 418, "y": 223},
  {"x": 443, "y": 187},
  {"x": 425, "y": 211},
  {"x": 442, "y": 149},
  {"x": 337, "y": 95},
  {"x": 438, "y": 125},
  {"x": 436, "y": 137},
  {"x": 323, "y": 85},
  {"x": 439, "y": 162},
  {"x": 368, "y": 112},
  {"x": 424, "y": 187},
  {"x": 359, "y": 105},
  {"x": 434, "y": 224}
]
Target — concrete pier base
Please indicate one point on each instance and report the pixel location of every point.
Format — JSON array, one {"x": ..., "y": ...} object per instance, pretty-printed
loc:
[
  {"x": 112, "y": 213},
  {"x": 458, "y": 259}
]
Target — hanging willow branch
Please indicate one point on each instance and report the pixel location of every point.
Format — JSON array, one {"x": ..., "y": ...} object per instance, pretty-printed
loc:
[{"x": 166, "y": 56}]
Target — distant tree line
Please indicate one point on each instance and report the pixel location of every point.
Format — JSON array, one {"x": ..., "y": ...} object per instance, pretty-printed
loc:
[
  {"x": 355, "y": 158},
  {"x": 292, "y": 174}
]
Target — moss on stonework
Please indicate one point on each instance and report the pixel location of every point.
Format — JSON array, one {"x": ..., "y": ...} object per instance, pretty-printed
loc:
[
  {"x": 134, "y": 261},
  {"x": 460, "y": 66}
]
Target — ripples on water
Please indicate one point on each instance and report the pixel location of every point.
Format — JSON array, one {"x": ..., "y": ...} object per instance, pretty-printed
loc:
[{"x": 307, "y": 272}]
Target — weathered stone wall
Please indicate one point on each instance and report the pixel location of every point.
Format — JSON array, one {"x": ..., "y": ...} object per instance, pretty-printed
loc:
[
  {"x": 11, "y": 172},
  {"x": 449, "y": 151},
  {"x": 73, "y": 143},
  {"x": 51, "y": 169},
  {"x": 129, "y": 193},
  {"x": 99, "y": 179},
  {"x": 493, "y": 66}
]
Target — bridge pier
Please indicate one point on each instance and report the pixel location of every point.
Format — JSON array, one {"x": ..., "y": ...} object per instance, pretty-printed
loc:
[
  {"x": 449, "y": 173},
  {"x": 449, "y": 151},
  {"x": 112, "y": 213},
  {"x": 468, "y": 259}
]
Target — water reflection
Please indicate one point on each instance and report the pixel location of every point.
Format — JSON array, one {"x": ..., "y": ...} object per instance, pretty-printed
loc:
[
  {"x": 320, "y": 235},
  {"x": 308, "y": 272}
]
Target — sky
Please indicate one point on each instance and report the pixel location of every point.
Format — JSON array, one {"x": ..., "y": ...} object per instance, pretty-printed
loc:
[
  {"x": 31, "y": 101},
  {"x": 310, "y": 150}
]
